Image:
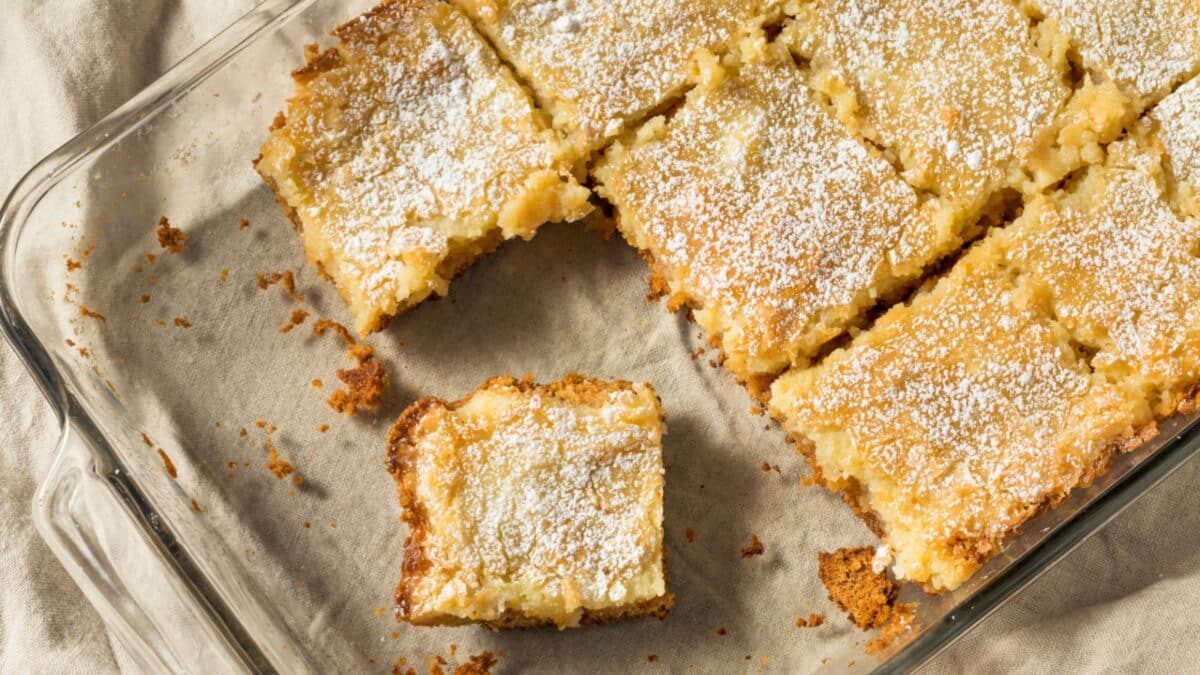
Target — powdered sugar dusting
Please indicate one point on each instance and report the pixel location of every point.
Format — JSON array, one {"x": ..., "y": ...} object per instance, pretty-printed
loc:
[
  {"x": 766, "y": 213},
  {"x": 956, "y": 88},
  {"x": 958, "y": 415},
  {"x": 1121, "y": 267},
  {"x": 595, "y": 61},
  {"x": 1178, "y": 119},
  {"x": 418, "y": 137},
  {"x": 525, "y": 490},
  {"x": 1143, "y": 45}
]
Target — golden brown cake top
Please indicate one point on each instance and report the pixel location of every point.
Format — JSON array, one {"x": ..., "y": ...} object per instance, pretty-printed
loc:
[
  {"x": 956, "y": 417},
  {"x": 598, "y": 64},
  {"x": 546, "y": 501},
  {"x": 403, "y": 143},
  {"x": 1121, "y": 268},
  {"x": 1146, "y": 47},
  {"x": 957, "y": 90},
  {"x": 763, "y": 212}
]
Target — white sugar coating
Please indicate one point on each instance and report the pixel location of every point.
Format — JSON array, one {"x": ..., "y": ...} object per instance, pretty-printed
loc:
[
  {"x": 1146, "y": 46},
  {"x": 1123, "y": 271},
  {"x": 955, "y": 419},
  {"x": 595, "y": 62},
  {"x": 957, "y": 90},
  {"x": 410, "y": 146},
  {"x": 761, "y": 211},
  {"x": 1178, "y": 121},
  {"x": 539, "y": 503}
]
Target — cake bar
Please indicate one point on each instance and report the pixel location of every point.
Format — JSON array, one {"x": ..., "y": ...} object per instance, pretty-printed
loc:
[
  {"x": 956, "y": 418},
  {"x": 531, "y": 505},
  {"x": 758, "y": 210},
  {"x": 598, "y": 65},
  {"x": 408, "y": 152}
]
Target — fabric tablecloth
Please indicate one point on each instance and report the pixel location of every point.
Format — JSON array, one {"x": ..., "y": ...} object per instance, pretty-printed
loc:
[{"x": 1126, "y": 599}]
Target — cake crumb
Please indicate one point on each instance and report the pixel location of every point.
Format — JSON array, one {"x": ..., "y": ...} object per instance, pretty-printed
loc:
[
  {"x": 307, "y": 525},
  {"x": 722, "y": 631},
  {"x": 653, "y": 658},
  {"x": 690, "y": 535},
  {"x": 317, "y": 383},
  {"x": 73, "y": 265},
  {"x": 755, "y": 547},
  {"x": 281, "y": 468},
  {"x": 866, "y": 596},
  {"x": 321, "y": 326},
  {"x": 260, "y": 423},
  {"x": 242, "y": 432},
  {"x": 243, "y": 223},
  {"x": 170, "y": 238},
  {"x": 297, "y": 318},
  {"x": 323, "y": 428},
  {"x": 196, "y": 506},
  {"x": 182, "y": 322},
  {"x": 477, "y": 664},
  {"x": 902, "y": 619},
  {"x": 144, "y": 299},
  {"x": 146, "y": 439},
  {"x": 365, "y": 385},
  {"x": 89, "y": 313},
  {"x": 224, "y": 274},
  {"x": 379, "y": 611},
  {"x": 812, "y": 621},
  {"x": 168, "y": 464}
]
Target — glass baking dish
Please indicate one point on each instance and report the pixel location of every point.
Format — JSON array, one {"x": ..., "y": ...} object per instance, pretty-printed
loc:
[{"x": 222, "y": 568}]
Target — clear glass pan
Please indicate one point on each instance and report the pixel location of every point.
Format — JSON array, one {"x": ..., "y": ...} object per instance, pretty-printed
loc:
[{"x": 182, "y": 569}]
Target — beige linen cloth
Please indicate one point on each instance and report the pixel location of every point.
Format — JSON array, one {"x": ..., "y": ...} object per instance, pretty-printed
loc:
[{"x": 1127, "y": 599}]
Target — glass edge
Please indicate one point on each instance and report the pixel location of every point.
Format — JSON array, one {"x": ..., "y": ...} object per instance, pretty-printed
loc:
[
  {"x": 1043, "y": 556},
  {"x": 20, "y": 202}
]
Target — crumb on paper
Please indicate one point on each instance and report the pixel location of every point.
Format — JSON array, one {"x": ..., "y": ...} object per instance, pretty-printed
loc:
[
  {"x": 689, "y": 534},
  {"x": 73, "y": 265},
  {"x": 307, "y": 525},
  {"x": 168, "y": 464},
  {"x": 365, "y": 385},
  {"x": 722, "y": 631},
  {"x": 812, "y": 621},
  {"x": 865, "y": 595},
  {"x": 653, "y": 658},
  {"x": 144, "y": 299},
  {"x": 321, "y": 326},
  {"x": 196, "y": 506},
  {"x": 242, "y": 432},
  {"x": 182, "y": 322},
  {"x": 260, "y": 423},
  {"x": 298, "y": 316},
  {"x": 323, "y": 428},
  {"x": 281, "y": 468},
  {"x": 755, "y": 547},
  {"x": 243, "y": 223},
  {"x": 170, "y": 238},
  {"x": 146, "y": 439},
  {"x": 286, "y": 278},
  {"x": 317, "y": 383},
  {"x": 224, "y": 274},
  {"x": 91, "y": 314}
]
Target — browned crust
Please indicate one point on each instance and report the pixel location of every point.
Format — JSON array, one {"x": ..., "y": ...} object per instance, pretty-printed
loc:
[
  {"x": 758, "y": 385},
  {"x": 975, "y": 551},
  {"x": 573, "y": 388}
]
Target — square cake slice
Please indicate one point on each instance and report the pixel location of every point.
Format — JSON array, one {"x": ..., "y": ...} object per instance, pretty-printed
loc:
[
  {"x": 1175, "y": 123},
  {"x": 409, "y": 151},
  {"x": 1145, "y": 46},
  {"x": 955, "y": 419},
  {"x": 532, "y": 505},
  {"x": 757, "y": 209},
  {"x": 1122, "y": 271},
  {"x": 958, "y": 92},
  {"x": 599, "y": 65}
]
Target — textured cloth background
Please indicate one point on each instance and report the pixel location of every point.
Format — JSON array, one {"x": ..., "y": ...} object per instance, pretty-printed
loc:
[{"x": 1126, "y": 599}]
